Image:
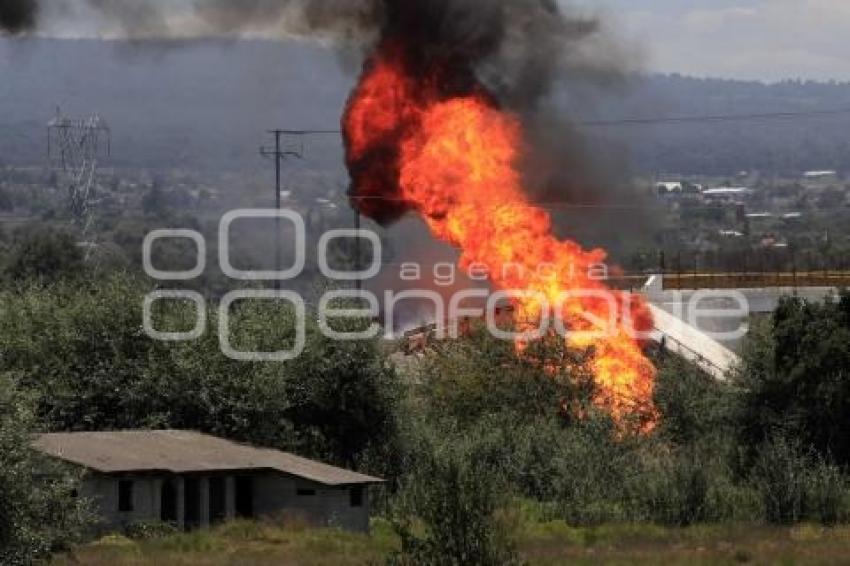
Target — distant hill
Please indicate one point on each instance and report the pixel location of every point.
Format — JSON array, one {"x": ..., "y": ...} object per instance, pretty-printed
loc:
[
  {"x": 777, "y": 145},
  {"x": 207, "y": 104},
  {"x": 202, "y": 104}
]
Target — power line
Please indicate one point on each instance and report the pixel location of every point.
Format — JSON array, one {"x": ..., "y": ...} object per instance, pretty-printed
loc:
[
  {"x": 623, "y": 121},
  {"x": 554, "y": 205},
  {"x": 666, "y": 120},
  {"x": 717, "y": 118},
  {"x": 308, "y": 132}
]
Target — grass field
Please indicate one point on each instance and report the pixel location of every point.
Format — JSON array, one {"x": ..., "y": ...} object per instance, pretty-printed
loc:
[{"x": 555, "y": 543}]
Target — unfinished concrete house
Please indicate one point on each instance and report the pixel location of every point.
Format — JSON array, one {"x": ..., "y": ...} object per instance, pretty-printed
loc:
[{"x": 195, "y": 480}]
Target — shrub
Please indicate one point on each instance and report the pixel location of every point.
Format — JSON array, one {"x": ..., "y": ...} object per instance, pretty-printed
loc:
[
  {"x": 826, "y": 493},
  {"x": 779, "y": 473},
  {"x": 45, "y": 255},
  {"x": 592, "y": 475},
  {"x": 796, "y": 484},
  {"x": 448, "y": 512},
  {"x": 682, "y": 498},
  {"x": 694, "y": 406},
  {"x": 693, "y": 484},
  {"x": 145, "y": 530}
]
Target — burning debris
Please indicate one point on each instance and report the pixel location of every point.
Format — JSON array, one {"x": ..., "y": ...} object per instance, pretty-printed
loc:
[{"x": 425, "y": 134}]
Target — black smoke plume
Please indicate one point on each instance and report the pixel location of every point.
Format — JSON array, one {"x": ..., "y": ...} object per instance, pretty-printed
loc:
[
  {"x": 18, "y": 16},
  {"x": 517, "y": 48},
  {"x": 519, "y": 51}
]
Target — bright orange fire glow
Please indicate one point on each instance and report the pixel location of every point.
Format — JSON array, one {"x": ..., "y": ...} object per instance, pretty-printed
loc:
[{"x": 453, "y": 159}]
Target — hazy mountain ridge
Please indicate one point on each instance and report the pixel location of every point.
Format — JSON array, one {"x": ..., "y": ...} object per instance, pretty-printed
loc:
[{"x": 208, "y": 104}]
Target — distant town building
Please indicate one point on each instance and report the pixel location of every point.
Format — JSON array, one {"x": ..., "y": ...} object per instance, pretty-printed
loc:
[
  {"x": 726, "y": 194},
  {"x": 820, "y": 175},
  {"x": 678, "y": 188},
  {"x": 194, "y": 480},
  {"x": 724, "y": 191},
  {"x": 669, "y": 188}
]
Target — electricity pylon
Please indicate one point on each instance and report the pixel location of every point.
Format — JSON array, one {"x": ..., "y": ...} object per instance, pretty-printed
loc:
[{"x": 75, "y": 147}]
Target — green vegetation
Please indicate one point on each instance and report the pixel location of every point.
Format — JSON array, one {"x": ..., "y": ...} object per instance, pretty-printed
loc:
[
  {"x": 797, "y": 378},
  {"x": 243, "y": 544},
  {"x": 80, "y": 350},
  {"x": 38, "y": 514},
  {"x": 491, "y": 458},
  {"x": 539, "y": 543},
  {"x": 44, "y": 255}
]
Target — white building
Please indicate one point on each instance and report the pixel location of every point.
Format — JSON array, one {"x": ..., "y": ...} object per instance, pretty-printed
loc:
[
  {"x": 726, "y": 194},
  {"x": 820, "y": 175}
]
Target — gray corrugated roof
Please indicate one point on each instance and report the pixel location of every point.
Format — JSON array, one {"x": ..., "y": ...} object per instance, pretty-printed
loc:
[{"x": 177, "y": 452}]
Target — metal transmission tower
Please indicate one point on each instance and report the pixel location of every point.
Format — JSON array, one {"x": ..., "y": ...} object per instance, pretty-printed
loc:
[{"x": 75, "y": 147}]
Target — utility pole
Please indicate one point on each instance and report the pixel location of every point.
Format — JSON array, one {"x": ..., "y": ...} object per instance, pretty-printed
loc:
[
  {"x": 357, "y": 219},
  {"x": 279, "y": 152},
  {"x": 290, "y": 143}
]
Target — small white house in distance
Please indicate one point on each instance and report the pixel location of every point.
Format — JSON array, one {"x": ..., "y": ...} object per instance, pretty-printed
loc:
[
  {"x": 820, "y": 175},
  {"x": 195, "y": 480},
  {"x": 726, "y": 194}
]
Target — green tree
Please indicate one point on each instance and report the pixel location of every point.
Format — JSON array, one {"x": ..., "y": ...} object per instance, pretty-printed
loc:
[
  {"x": 448, "y": 512},
  {"x": 45, "y": 255},
  {"x": 81, "y": 349},
  {"x": 480, "y": 375},
  {"x": 345, "y": 396},
  {"x": 796, "y": 377},
  {"x": 693, "y": 404},
  {"x": 38, "y": 512}
]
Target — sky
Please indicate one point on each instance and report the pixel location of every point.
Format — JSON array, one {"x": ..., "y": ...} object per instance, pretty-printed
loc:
[
  {"x": 765, "y": 40},
  {"x": 744, "y": 39}
]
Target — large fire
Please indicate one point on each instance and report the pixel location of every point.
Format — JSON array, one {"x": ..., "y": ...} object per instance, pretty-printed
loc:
[{"x": 414, "y": 143}]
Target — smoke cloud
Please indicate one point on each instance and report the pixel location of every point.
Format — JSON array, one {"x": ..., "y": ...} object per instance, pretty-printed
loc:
[
  {"x": 346, "y": 21},
  {"x": 136, "y": 18},
  {"x": 519, "y": 50},
  {"x": 17, "y": 16},
  {"x": 338, "y": 20}
]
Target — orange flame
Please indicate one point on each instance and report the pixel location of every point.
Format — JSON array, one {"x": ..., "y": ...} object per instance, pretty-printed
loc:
[{"x": 452, "y": 159}]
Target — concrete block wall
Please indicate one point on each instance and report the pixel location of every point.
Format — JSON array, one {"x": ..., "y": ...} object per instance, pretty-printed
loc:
[
  {"x": 103, "y": 492},
  {"x": 274, "y": 495}
]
